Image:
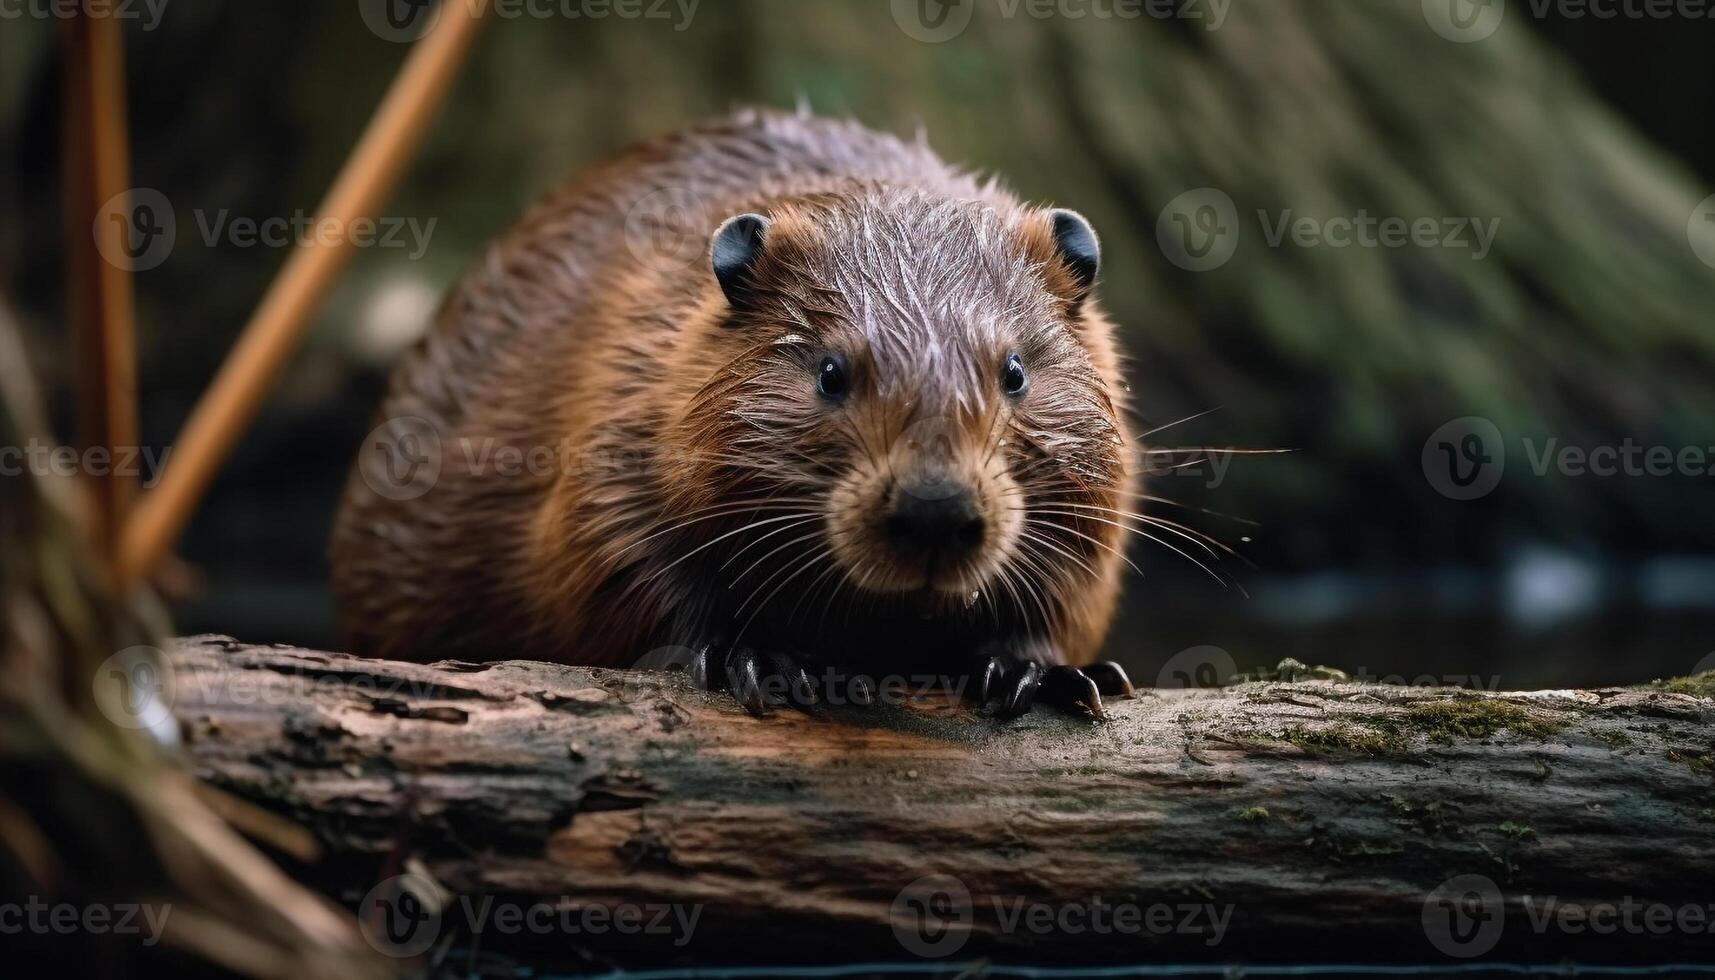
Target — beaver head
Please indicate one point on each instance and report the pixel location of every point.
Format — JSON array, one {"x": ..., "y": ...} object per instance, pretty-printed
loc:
[{"x": 903, "y": 386}]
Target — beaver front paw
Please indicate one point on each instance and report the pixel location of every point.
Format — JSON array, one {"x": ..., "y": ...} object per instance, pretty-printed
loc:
[
  {"x": 1013, "y": 683},
  {"x": 758, "y": 681}
]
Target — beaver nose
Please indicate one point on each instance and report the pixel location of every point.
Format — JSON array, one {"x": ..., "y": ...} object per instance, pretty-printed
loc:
[{"x": 935, "y": 517}]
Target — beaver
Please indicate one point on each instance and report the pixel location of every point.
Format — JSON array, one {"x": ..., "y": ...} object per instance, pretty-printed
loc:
[{"x": 779, "y": 392}]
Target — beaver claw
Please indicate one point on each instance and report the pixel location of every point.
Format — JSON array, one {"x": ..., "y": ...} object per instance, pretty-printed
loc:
[
  {"x": 1016, "y": 686},
  {"x": 757, "y": 681}
]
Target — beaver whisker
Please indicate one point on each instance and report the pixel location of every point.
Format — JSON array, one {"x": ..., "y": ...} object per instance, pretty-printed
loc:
[
  {"x": 858, "y": 436},
  {"x": 815, "y": 584},
  {"x": 752, "y": 567},
  {"x": 1069, "y": 556},
  {"x": 1169, "y": 501},
  {"x": 724, "y": 509},
  {"x": 1126, "y": 527},
  {"x": 1178, "y": 551},
  {"x": 1004, "y": 575},
  {"x": 765, "y": 583},
  {"x": 1188, "y": 418},
  {"x": 1031, "y": 556},
  {"x": 1201, "y": 538},
  {"x": 657, "y": 573},
  {"x": 1231, "y": 450},
  {"x": 782, "y": 529},
  {"x": 807, "y": 564},
  {"x": 1095, "y": 541},
  {"x": 828, "y": 606}
]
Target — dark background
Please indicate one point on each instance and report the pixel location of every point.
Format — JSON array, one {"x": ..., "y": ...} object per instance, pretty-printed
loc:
[{"x": 1590, "y": 321}]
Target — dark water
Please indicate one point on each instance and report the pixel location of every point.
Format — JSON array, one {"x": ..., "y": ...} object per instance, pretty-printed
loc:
[{"x": 1544, "y": 621}]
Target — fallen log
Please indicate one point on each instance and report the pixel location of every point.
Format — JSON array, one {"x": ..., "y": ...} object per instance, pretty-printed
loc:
[{"x": 1293, "y": 819}]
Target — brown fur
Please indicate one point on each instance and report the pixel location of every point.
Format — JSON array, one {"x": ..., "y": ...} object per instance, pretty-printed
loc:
[{"x": 650, "y": 403}]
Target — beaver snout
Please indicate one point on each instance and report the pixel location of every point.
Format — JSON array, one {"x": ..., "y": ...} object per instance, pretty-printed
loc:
[{"x": 934, "y": 516}]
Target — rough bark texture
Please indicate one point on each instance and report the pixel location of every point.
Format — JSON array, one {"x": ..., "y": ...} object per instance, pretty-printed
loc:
[{"x": 1325, "y": 813}]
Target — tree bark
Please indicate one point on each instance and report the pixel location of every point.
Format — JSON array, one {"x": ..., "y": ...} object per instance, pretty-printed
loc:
[{"x": 1296, "y": 819}]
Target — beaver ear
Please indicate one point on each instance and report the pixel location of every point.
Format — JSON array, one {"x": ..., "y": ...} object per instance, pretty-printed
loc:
[
  {"x": 1067, "y": 247},
  {"x": 733, "y": 252}
]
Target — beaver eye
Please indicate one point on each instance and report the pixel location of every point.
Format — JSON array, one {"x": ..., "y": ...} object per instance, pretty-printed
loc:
[
  {"x": 1012, "y": 377},
  {"x": 831, "y": 379}
]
